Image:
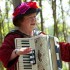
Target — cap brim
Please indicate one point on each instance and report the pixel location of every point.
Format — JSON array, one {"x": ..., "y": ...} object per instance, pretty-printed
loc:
[{"x": 38, "y": 10}]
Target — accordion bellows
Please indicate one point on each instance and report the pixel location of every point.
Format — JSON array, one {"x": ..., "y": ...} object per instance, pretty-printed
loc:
[{"x": 44, "y": 56}]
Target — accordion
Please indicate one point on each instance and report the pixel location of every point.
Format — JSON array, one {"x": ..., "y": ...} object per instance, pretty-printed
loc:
[{"x": 44, "y": 54}]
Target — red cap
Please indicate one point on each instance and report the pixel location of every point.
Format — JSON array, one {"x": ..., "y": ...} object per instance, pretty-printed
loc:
[{"x": 23, "y": 7}]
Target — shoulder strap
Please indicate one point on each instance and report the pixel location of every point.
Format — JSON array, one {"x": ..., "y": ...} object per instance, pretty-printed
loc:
[
  {"x": 55, "y": 52},
  {"x": 15, "y": 32}
]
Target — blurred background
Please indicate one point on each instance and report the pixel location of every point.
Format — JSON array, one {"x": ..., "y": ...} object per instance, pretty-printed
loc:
[{"x": 53, "y": 19}]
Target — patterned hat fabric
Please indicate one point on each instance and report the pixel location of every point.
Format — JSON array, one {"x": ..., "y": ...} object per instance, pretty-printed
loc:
[{"x": 24, "y": 7}]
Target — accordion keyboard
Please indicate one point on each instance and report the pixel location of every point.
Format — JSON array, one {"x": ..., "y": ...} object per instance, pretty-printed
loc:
[{"x": 26, "y": 61}]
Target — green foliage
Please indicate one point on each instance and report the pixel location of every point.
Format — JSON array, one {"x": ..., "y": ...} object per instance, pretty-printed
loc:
[
  {"x": 39, "y": 26},
  {"x": 60, "y": 28},
  {"x": 46, "y": 31},
  {"x": 68, "y": 31},
  {"x": 51, "y": 30},
  {"x": 1, "y": 67},
  {"x": 65, "y": 66},
  {"x": 5, "y": 30}
]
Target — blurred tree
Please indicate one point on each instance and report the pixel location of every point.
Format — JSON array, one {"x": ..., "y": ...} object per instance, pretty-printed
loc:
[
  {"x": 0, "y": 28},
  {"x": 41, "y": 16},
  {"x": 16, "y": 3},
  {"x": 64, "y": 24},
  {"x": 7, "y": 13},
  {"x": 54, "y": 18}
]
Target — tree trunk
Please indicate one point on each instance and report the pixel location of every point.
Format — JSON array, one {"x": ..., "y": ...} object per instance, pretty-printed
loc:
[
  {"x": 64, "y": 24},
  {"x": 0, "y": 28},
  {"x": 41, "y": 16},
  {"x": 16, "y": 3},
  {"x": 54, "y": 18},
  {"x": 0, "y": 34},
  {"x": 7, "y": 10}
]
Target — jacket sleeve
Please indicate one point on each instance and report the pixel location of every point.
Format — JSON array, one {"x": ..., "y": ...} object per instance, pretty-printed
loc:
[
  {"x": 6, "y": 50},
  {"x": 65, "y": 51}
]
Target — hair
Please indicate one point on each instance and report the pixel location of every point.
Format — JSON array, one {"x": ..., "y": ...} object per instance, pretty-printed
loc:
[{"x": 19, "y": 18}]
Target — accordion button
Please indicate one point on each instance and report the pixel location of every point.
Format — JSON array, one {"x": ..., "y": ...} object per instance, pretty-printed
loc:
[{"x": 31, "y": 57}]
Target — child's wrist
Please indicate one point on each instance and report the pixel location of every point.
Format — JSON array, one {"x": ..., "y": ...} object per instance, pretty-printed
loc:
[{"x": 16, "y": 52}]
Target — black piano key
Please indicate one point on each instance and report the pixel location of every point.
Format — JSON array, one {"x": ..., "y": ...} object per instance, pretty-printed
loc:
[
  {"x": 26, "y": 61},
  {"x": 24, "y": 41},
  {"x": 27, "y": 66},
  {"x": 25, "y": 46}
]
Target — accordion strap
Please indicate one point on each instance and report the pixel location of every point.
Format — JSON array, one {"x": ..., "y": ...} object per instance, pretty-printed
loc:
[
  {"x": 22, "y": 35},
  {"x": 55, "y": 53}
]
